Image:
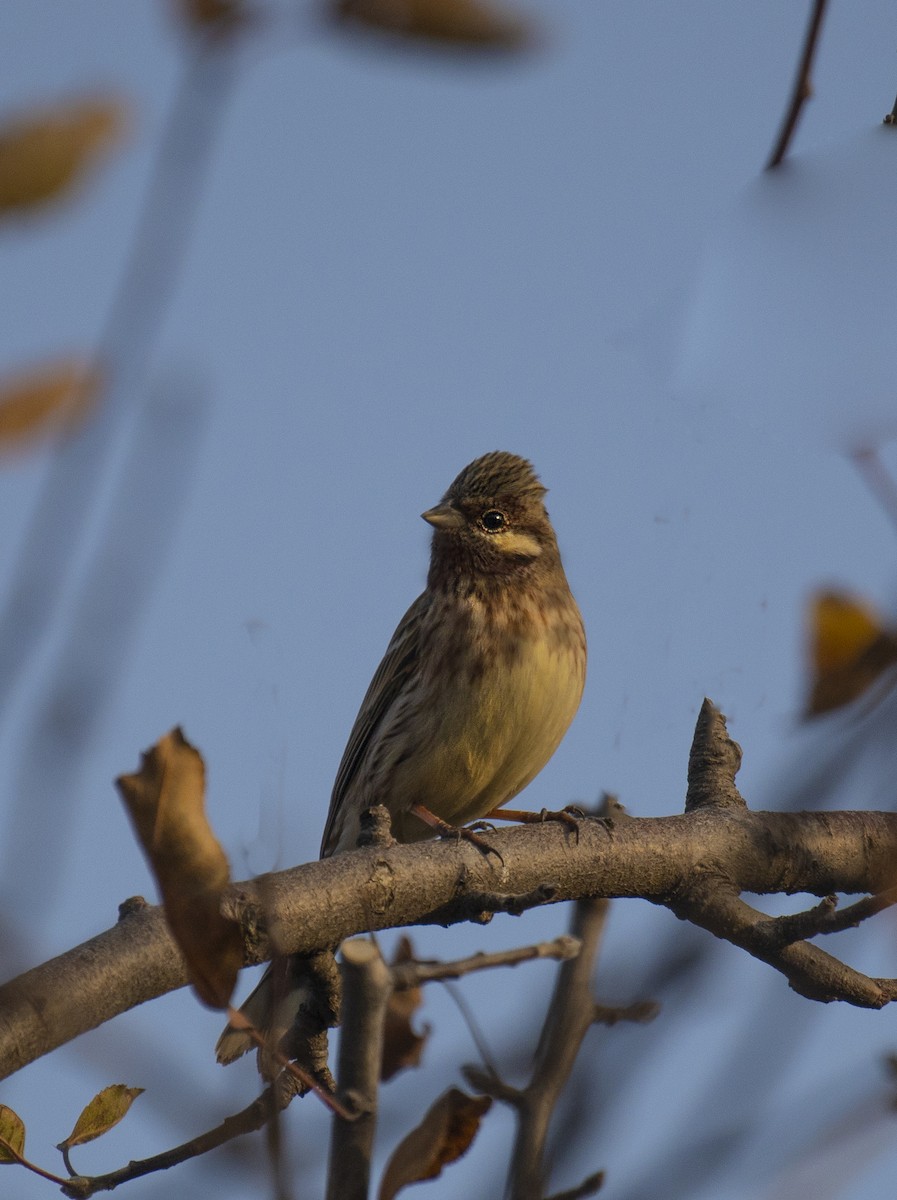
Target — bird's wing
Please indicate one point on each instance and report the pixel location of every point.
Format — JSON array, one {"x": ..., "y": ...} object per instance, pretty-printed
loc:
[{"x": 399, "y": 663}]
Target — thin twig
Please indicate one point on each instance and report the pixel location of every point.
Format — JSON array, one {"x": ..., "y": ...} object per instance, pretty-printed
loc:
[
  {"x": 472, "y": 1024},
  {"x": 30, "y": 1166},
  {"x": 237, "y": 1020},
  {"x": 879, "y": 480},
  {"x": 589, "y": 1187},
  {"x": 251, "y": 1118},
  {"x": 412, "y": 974},
  {"x": 803, "y": 89}
]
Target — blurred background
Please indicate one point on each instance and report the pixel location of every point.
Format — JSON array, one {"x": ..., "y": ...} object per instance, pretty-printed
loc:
[{"x": 302, "y": 270}]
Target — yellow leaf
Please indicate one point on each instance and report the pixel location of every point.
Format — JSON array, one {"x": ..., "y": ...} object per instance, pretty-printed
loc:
[
  {"x": 446, "y": 1132},
  {"x": 462, "y": 22},
  {"x": 42, "y": 154},
  {"x": 56, "y": 396},
  {"x": 166, "y": 803},
  {"x": 104, "y": 1111},
  {"x": 850, "y": 649},
  {"x": 12, "y": 1132}
]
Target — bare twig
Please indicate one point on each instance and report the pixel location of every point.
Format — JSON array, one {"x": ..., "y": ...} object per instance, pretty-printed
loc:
[
  {"x": 809, "y": 971},
  {"x": 305, "y": 1079},
  {"x": 877, "y": 477},
  {"x": 366, "y": 990},
  {"x": 412, "y": 974},
  {"x": 803, "y": 89},
  {"x": 640, "y": 1013},
  {"x": 589, "y": 1187},
  {"x": 570, "y": 1015}
]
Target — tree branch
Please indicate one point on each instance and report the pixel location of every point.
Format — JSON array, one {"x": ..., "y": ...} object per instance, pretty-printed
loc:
[
  {"x": 320, "y": 904},
  {"x": 249, "y": 1119},
  {"x": 367, "y": 985}
]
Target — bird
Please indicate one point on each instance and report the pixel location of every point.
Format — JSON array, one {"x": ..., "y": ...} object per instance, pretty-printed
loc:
[{"x": 479, "y": 682}]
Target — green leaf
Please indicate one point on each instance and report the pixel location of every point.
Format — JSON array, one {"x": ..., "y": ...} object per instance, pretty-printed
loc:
[
  {"x": 12, "y": 1131},
  {"x": 105, "y": 1110}
]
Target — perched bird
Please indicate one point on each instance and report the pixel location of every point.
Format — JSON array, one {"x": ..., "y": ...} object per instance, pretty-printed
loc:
[{"x": 479, "y": 683}]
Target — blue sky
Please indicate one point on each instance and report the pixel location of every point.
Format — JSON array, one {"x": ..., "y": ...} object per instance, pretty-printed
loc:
[{"x": 401, "y": 261}]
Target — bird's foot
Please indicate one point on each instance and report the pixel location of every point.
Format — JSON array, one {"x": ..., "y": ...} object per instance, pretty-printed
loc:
[
  {"x": 570, "y": 816},
  {"x": 464, "y": 833}
]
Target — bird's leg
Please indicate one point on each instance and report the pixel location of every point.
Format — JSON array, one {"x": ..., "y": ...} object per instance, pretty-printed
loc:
[
  {"x": 445, "y": 830},
  {"x": 569, "y": 816}
]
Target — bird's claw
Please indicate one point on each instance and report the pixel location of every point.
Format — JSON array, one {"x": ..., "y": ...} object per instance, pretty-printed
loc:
[{"x": 570, "y": 816}]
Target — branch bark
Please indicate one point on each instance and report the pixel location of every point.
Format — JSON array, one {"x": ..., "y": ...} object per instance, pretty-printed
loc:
[
  {"x": 319, "y": 904},
  {"x": 367, "y": 985}
]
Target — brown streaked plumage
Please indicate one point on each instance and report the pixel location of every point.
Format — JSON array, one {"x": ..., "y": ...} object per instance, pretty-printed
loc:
[{"x": 480, "y": 681}]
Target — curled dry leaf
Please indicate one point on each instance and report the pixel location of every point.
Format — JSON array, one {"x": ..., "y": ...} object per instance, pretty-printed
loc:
[
  {"x": 402, "y": 1045},
  {"x": 55, "y": 397},
  {"x": 850, "y": 649},
  {"x": 12, "y": 1134},
  {"x": 445, "y": 1133},
  {"x": 104, "y": 1112},
  {"x": 44, "y": 153},
  {"x": 166, "y": 803},
  {"x": 459, "y": 22}
]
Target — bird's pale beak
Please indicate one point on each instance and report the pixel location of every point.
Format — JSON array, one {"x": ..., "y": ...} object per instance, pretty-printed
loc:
[{"x": 444, "y": 516}]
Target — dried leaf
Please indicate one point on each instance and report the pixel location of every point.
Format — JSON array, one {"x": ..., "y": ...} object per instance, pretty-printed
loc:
[
  {"x": 104, "y": 1111},
  {"x": 166, "y": 804},
  {"x": 54, "y": 397},
  {"x": 12, "y": 1131},
  {"x": 213, "y": 16},
  {"x": 402, "y": 1046},
  {"x": 44, "y": 153},
  {"x": 850, "y": 649},
  {"x": 446, "y": 1132},
  {"x": 459, "y": 22}
]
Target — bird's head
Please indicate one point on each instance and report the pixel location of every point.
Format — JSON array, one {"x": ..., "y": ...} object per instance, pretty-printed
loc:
[{"x": 492, "y": 520}]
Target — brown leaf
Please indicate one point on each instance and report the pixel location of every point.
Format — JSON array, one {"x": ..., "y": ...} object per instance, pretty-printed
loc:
[
  {"x": 445, "y": 1133},
  {"x": 165, "y": 802},
  {"x": 12, "y": 1131},
  {"x": 57, "y": 396},
  {"x": 850, "y": 649},
  {"x": 104, "y": 1111},
  {"x": 459, "y": 22},
  {"x": 213, "y": 16},
  {"x": 402, "y": 1046},
  {"x": 43, "y": 153}
]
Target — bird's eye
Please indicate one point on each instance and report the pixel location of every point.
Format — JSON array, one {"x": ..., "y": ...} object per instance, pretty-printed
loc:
[{"x": 492, "y": 520}]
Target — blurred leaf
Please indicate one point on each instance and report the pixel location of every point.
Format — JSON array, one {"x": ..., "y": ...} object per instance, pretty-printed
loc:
[
  {"x": 850, "y": 649},
  {"x": 166, "y": 804},
  {"x": 446, "y": 1132},
  {"x": 56, "y": 396},
  {"x": 104, "y": 1111},
  {"x": 213, "y": 16},
  {"x": 12, "y": 1131},
  {"x": 461, "y": 22},
  {"x": 45, "y": 153},
  {"x": 402, "y": 1046}
]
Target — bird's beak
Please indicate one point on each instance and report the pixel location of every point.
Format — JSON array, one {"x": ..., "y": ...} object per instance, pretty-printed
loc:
[{"x": 444, "y": 516}]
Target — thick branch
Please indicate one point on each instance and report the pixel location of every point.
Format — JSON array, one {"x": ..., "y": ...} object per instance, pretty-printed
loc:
[{"x": 320, "y": 904}]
